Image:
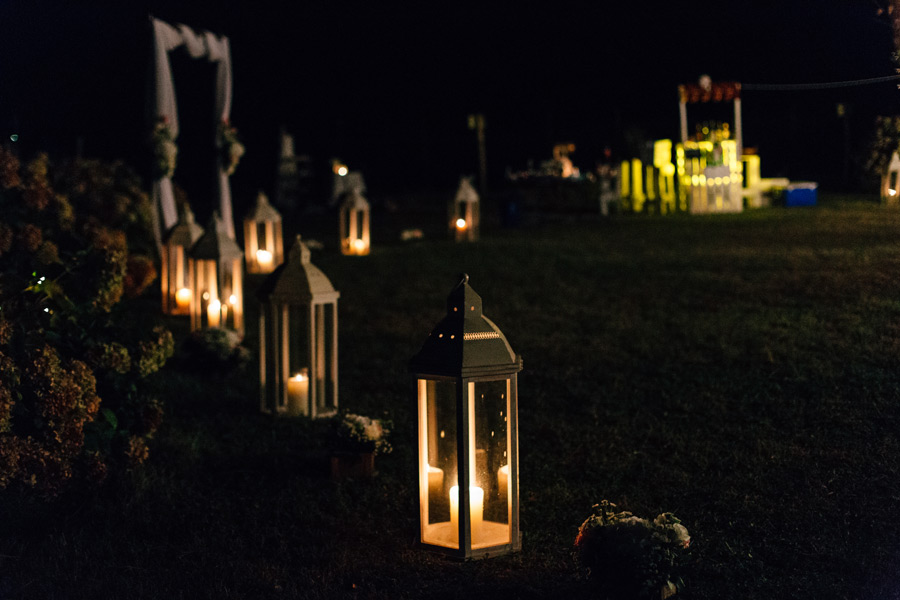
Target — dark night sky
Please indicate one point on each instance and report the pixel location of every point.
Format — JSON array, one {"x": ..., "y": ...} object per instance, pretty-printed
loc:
[{"x": 388, "y": 88}]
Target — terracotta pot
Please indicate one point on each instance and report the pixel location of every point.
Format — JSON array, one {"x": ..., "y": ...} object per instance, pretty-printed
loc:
[{"x": 356, "y": 465}]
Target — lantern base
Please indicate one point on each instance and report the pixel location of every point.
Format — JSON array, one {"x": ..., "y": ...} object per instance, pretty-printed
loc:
[{"x": 490, "y": 534}]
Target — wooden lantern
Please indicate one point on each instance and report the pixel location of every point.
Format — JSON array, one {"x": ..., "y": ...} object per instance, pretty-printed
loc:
[
  {"x": 263, "y": 246},
  {"x": 468, "y": 437},
  {"x": 174, "y": 278},
  {"x": 298, "y": 344},
  {"x": 216, "y": 272},
  {"x": 354, "y": 227},
  {"x": 465, "y": 214}
]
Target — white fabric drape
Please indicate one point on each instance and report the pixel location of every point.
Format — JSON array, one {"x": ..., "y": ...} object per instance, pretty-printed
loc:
[{"x": 216, "y": 49}]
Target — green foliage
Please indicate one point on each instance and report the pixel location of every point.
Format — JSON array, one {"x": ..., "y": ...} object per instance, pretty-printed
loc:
[
  {"x": 68, "y": 341},
  {"x": 216, "y": 349},
  {"x": 357, "y": 433}
]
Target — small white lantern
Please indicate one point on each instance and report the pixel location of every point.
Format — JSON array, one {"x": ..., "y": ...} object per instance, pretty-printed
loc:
[
  {"x": 174, "y": 278},
  {"x": 216, "y": 272},
  {"x": 263, "y": 246},
  {"x": 465, "y": 214},
  {"x": 468, "y": 434},
  {"x": 354, "y": 227},
  {"x": 298, "y": 344}
]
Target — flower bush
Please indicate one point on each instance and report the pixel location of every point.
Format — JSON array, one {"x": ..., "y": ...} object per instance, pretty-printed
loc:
[
  {"x": 216, "y": 349},
  {"x": 357, "y": 433},
  {"x": 165, "y": 151},
  {"x": 630, "y": 557},
  {"x": 232, "y": 148},
  {"x": 74, "y": 354}
]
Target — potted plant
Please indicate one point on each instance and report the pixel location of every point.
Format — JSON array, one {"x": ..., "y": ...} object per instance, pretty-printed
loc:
[
  {"x": 630, "y": 557},
  {"x": 354, "y": 442}
]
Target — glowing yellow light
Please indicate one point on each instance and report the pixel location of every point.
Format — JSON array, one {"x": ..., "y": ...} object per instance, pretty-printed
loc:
[
  {"x": 460, "y": 224},
  {"x": 342, "y": 171},
  {"x": 183, "y": 298},
  {"x": 695, "y": 179},
  {"x": 726, "y": 180},
  {"x": 703, "y": 180},
  {"x": 299, "y": 377},
  {"x": 233, "y": 299},
  {"x": 718, "y": 180},
  {"x": 264, "y": 258},
  {"x": 206, "y": 295},
  {"x": 214, "y": 312},
  {"x": 359, "y": 245},
  {"x": 892, "y": 192}
]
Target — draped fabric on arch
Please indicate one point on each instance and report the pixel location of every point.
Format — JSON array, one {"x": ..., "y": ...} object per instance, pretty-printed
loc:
[{"x": 199, "y": 45}]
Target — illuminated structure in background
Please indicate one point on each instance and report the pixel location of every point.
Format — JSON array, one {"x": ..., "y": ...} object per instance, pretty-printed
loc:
[
  {"x": 468, "y": 433},
  {"x": 298, "y": 343},
  {"x": 175, "y": 276},
  {"x": 889, "y": 181},
  {"x": 263, "y": 246},
  {"x": 216, "y": 272},
  {"x": 710, "y": 174},
  {"x": 709, "y": 165},
  {"x": 464, "y": 211},
  {"x": 354, "y": 225}
]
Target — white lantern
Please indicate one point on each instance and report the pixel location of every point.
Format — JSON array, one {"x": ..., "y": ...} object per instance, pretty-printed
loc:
[
  {"x": 468, "y": 434},
  {"x": 354, "y": 226},
  {"x": 465, "y": 214},
  {"x": 174, "y": 278},
  {"x": 216, "y": 272},
  {"x": 263, "y": 246},
  {"x": 298, "y": 344}
]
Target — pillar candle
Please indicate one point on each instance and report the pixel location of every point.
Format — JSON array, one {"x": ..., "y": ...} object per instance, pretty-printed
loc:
[
  {"x": 183, "y": 299},
  {"x": 476, "y": 510},
  {"x": 298, "y": 394},
  {"x": 435, "y": 482},
  {"x": 213, "y": 312}
]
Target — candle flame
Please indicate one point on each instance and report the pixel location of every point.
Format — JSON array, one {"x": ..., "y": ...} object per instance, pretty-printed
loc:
[
  {"x": 892, "y": 192},
  {"x": 264, "y": 257},
  {"x": 299, "y": 377},
  {"x": 460, "y": 224},
  {"x": 232, "y": 299},
  {"x": 183, "y": 296},
  {"x": 359, "y": 245}
]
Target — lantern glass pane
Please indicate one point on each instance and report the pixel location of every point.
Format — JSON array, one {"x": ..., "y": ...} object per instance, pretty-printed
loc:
[
  {"x": 489, "y": 405},
  {"x": 437, "y": 462}
]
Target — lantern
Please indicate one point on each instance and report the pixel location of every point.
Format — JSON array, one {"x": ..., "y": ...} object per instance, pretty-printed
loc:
[
  {"x": 298, "y": 361},
  {"x": 263, "y": 247},
  {"x": 466, "y": 375},
  {"x": 176, "y": 285},
  {"x": 217, "y": 296},
  {"x": 355, "y": 224},
  {"x": 464, "y": 212}
]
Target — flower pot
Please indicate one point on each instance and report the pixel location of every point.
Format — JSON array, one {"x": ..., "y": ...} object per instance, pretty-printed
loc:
[{"x": 356, "y": 465}]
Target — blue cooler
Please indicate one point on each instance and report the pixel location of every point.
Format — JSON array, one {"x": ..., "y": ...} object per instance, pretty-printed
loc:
[{"x": 801, "y": 193}]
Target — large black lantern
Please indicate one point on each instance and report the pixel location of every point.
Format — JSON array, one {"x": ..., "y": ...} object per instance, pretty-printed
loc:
[{"x": 466, "y": 373}]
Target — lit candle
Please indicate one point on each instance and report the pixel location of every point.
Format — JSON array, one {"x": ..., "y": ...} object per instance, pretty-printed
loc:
[
  {"x": 359, "y": 245},
  {"x": 503, "y": 481},
  {"x": 461, "y": 224},
  {"x": 435, "y": 481},
  {"x": 476, "y": 510},
  {"x": 298, "y": 394},
  {"x": 264, "y": 259},
  {"x": 183, "y": 299},
  {"x": 213, "y": 312}
]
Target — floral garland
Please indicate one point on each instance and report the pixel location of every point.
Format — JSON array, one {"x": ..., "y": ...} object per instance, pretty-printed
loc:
[
  {"x": 232, "y": 148},
  {"x": 165, "y": 151}
]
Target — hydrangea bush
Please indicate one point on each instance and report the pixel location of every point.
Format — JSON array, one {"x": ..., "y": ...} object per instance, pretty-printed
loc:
[
  {"x": 74, "y": 351},
  {"x": 357, "y": 433},
  {"x": 628, "y": 557}
]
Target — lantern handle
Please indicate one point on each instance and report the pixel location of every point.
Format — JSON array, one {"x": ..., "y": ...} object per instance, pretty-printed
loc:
[{"x": 463, "y": 279}]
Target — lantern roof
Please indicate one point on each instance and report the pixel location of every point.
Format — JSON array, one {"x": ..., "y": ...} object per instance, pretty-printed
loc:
[
  {"x": 297, "y": 280},
  {"x": 185, "y": 231},
  {"x": 465, "y": 343},
  {"x": 354, "y": 200},
  {"x": 465, "y": 192},
  {"x": 215, "y": 243},
  {"x": 263, "y": 211}
]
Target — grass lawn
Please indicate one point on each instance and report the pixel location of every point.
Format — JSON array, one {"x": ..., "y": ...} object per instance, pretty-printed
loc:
[{"x": 741, "y": 371}]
